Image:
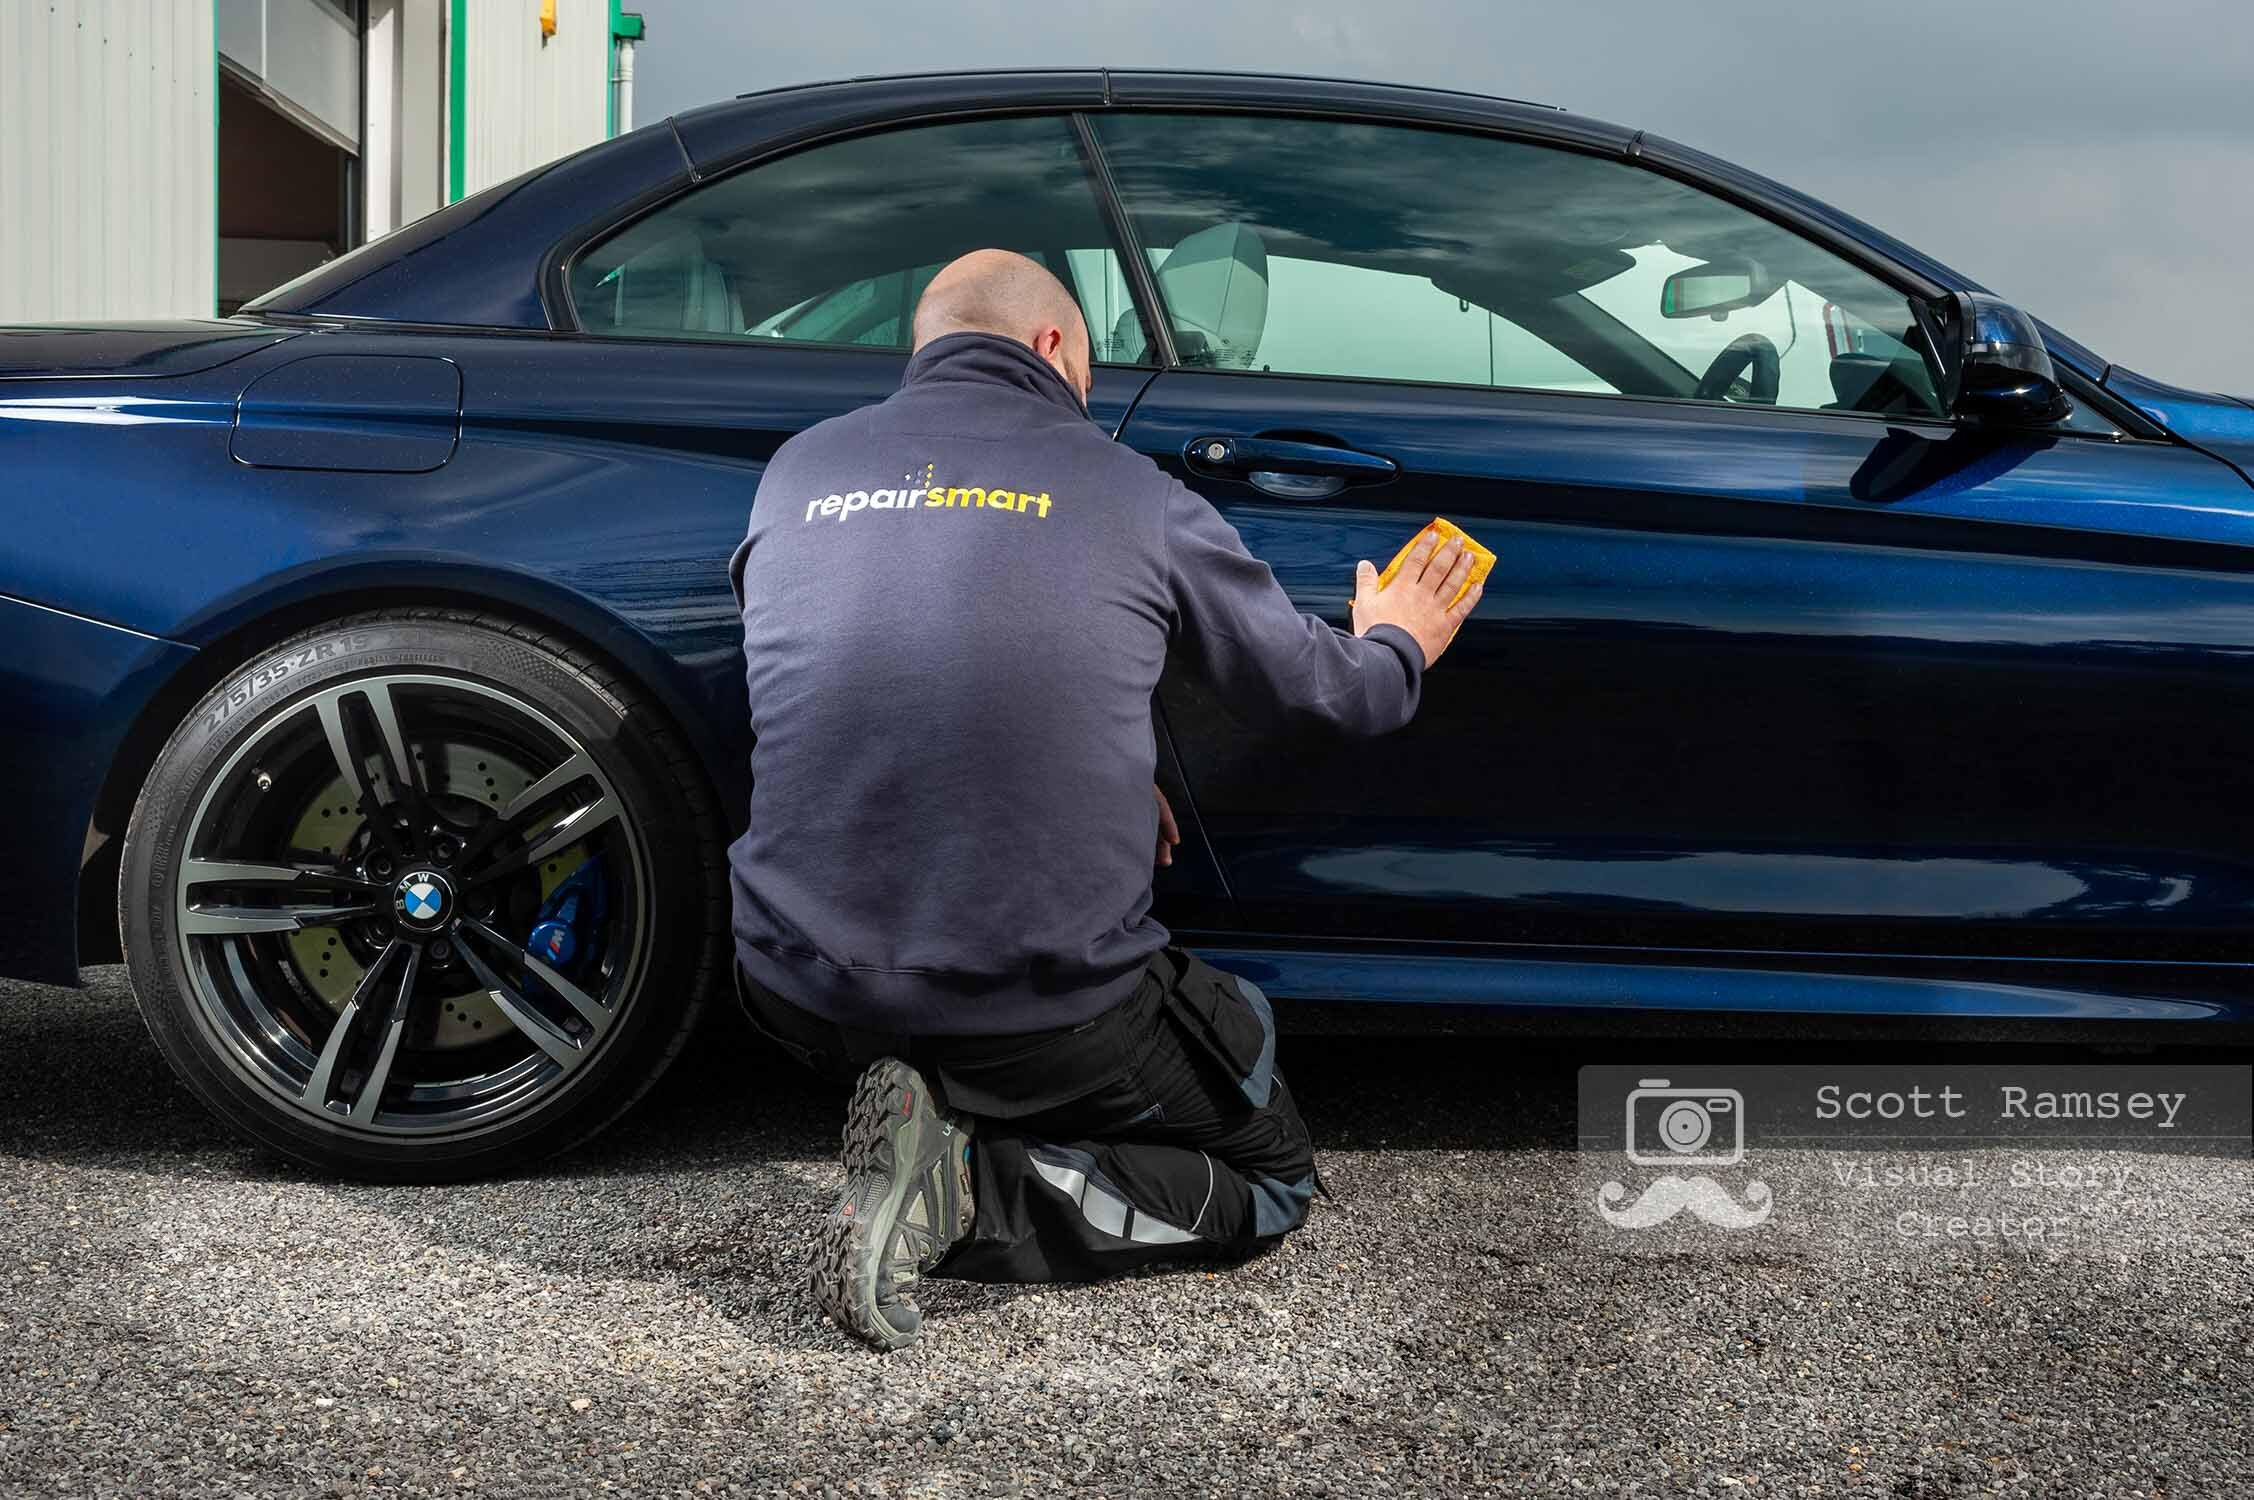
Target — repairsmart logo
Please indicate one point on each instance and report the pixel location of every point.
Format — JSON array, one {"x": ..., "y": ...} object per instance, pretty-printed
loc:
[{"x": 930, "y": 495}]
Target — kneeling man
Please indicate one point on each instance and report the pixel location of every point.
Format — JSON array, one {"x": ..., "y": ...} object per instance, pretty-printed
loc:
[{"x": 946, "y": 882}]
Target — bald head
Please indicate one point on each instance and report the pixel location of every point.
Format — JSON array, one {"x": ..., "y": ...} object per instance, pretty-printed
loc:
[{"x": 1002, "y": 292}]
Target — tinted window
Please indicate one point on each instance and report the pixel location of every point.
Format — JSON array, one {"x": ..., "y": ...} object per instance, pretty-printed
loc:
[
  {"x": 1324, "y": 248},
  {"x": 834, "y": 244}
]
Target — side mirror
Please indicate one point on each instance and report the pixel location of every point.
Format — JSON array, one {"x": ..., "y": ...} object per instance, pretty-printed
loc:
[
  {"x": 1995, "y": 369},
  {"x": 1716, "y": 288}
]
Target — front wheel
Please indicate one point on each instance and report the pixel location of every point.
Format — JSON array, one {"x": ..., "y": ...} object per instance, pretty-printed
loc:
[{"x": 422, "y": 895}]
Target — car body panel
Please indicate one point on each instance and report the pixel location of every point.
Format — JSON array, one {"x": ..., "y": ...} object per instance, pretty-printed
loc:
[
  {"x": 599, "y": 484},
  {"x": 113, "y": 351},
  {"x": 1806, "y": 681},
  {"x": 350, "y": 413},
  {"x": 1748, "y": 983},
  {"x": 477, "y": 263},
  {"x": 73, "y": 687},
  {"x": 2221, "y": 425}
]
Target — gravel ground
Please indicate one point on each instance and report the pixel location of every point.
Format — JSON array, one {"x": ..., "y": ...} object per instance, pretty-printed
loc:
[{"x": 185, "y": 1317}]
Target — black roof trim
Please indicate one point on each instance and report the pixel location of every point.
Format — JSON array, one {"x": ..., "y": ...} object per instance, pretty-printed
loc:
[
  {"x": 688, "y": 162},
  {"x": 1107, "y": 74},
  {"x": 912, "y": 77},
  {"x": 1378, "y": 83}
]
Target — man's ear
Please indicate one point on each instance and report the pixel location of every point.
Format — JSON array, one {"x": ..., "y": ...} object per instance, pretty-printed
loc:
[{"x": 1048, "y": 341}]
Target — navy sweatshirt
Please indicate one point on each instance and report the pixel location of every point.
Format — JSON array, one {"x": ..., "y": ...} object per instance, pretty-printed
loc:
[{"x": 956, "y": 605}]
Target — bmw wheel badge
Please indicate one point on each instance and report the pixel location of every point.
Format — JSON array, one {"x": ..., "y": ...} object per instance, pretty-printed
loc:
[{"x": 424, "y": 899}]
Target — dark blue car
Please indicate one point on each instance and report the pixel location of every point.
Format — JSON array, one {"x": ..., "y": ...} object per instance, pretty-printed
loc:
[{"x": 1857, "y": 644}]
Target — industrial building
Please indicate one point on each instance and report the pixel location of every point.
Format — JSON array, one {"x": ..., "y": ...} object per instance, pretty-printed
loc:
[{"x": 175, "y": 158}]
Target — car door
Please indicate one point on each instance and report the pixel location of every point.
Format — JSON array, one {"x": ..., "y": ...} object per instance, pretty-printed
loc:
[{"x": 1775, "y": 655}]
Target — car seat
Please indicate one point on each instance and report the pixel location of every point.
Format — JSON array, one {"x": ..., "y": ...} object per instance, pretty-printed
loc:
[
  {"x": 676, "y": 287},
  {"x": 1215, "y": 286}
]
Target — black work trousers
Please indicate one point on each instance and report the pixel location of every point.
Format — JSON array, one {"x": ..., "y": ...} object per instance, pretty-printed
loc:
[{"x": 1160, "y": 1130}]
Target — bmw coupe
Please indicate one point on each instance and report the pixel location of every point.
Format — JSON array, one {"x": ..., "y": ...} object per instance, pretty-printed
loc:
[{"x": 1858, "y": 642}]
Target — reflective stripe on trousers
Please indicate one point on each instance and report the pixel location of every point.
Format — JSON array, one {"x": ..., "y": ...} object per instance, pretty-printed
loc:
[{"x": 1073, "y": 1173}]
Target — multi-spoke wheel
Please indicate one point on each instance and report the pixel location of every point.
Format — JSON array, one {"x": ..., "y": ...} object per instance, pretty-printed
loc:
[{"x": 421, "y": 895}]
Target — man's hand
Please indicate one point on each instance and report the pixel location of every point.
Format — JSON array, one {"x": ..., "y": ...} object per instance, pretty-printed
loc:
[
  {"x": 1417, "y": 598},
  {"x": 1169, "y": 834}
]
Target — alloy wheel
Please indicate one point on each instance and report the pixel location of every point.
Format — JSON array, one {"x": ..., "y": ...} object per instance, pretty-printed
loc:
[{"x": 410, "y": 904}]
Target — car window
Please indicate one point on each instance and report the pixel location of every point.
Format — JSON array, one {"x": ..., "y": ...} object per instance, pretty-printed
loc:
[
  {"x": 1392, "y": 252},
  {"x": 1344, "y": 319},
  {"x": 834, "y": 244},
  {"x": 1810, "y": 332}
]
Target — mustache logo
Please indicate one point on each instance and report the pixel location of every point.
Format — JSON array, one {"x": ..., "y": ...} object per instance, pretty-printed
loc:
[{"x": 1670, "y": 1195}]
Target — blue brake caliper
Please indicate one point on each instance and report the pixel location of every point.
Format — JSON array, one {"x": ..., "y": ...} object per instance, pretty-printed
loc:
[{"x": 571, "y": 919}]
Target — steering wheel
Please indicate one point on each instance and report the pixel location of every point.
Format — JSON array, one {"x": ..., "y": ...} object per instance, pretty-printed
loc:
[{"x": 1747, "y": 371}]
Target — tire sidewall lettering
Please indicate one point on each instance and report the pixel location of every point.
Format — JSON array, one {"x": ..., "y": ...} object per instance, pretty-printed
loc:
[{"x": 246, "y": 689}]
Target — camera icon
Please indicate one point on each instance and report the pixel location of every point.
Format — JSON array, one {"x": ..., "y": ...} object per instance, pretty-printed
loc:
[{"x": 1684, "y": 1127}]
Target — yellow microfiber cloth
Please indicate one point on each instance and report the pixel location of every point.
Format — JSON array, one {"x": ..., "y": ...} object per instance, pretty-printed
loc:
[{"x": 1482, "y": 560}]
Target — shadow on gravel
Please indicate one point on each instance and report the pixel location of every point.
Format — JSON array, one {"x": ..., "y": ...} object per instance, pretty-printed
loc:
[{"x": 81, "y": 1083}]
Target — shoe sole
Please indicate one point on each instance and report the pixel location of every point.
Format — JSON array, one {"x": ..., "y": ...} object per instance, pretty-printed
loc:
[{"x": 882, "y": 1110}]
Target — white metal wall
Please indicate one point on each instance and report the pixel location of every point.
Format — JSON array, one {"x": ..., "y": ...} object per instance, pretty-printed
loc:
[
  {"x": 529, "y": 99},
  {"x": 108, "y": 159},
  {"x": 403, "y": 153}
]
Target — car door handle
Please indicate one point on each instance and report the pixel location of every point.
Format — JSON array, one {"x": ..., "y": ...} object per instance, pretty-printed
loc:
[{"x": 1292, "y": 470}]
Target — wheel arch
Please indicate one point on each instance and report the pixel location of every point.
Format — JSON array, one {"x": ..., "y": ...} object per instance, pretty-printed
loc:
[{"x": 227, "y": 638}]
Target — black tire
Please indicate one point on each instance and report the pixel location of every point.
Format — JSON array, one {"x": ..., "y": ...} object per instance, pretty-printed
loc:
[{"x": 664, "y": 833}]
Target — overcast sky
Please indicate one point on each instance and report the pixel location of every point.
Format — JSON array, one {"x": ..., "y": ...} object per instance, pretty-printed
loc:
[{"x": 2093, "y": 160}]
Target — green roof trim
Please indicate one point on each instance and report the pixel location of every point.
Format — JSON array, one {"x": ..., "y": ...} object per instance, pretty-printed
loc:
[
  {"x": 215, "y": 158},
  {"x": 625, "y": 26},
  {"x": 457, "y": 98}
]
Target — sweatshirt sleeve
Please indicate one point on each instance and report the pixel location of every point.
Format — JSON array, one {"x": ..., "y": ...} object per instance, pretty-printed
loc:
[{"x": 1237, "y": 623}]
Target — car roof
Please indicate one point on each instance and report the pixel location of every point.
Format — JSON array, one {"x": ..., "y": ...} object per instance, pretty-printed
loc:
[
  {"x": 1221, "y": 77},
  {"x": 718, "y": 135}
]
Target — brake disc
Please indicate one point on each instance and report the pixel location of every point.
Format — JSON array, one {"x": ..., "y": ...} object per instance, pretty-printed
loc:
[{"x": 465, "y": 774}]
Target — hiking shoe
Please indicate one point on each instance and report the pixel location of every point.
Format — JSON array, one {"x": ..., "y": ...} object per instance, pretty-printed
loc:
[{"x": 907, "y": 1200}]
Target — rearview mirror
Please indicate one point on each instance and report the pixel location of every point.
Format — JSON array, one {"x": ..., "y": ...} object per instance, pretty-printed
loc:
[
  {"x": 1718, "y": 287},
  {"x": 1995, "y": 368}
]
